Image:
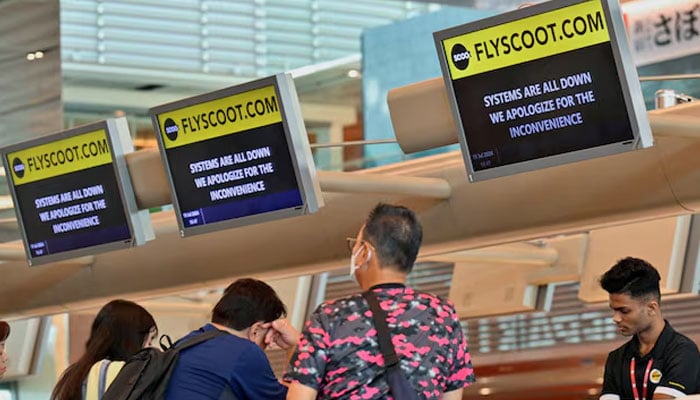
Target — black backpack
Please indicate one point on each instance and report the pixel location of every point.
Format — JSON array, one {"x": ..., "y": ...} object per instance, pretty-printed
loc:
[{"x": 146, "y": 374}]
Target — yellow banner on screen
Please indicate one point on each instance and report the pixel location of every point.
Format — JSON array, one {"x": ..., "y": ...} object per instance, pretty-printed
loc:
[
  {"x": 551, "y": 33},
  {"x": 220, "y": 117},
  {"x": 61, "y": 157}
]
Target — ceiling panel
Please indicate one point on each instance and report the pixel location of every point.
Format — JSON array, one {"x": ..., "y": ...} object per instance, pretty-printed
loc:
[{"x": 30, "y": 99}]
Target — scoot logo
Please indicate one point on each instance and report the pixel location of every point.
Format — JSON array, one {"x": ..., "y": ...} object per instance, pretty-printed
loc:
[
  {"x": 171, "y": 129},
  {"x": 460, "y": 56},
  {"x": 18, "y": 167}
]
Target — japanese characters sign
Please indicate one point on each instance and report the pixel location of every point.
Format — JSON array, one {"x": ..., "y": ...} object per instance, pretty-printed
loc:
[{"x": 661, "y": 30}]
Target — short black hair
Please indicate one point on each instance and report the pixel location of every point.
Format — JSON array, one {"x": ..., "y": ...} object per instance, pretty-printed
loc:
[
  {"x": 634, "y": 277},
  {"x": 245, "y": 302},
  {"x": 395, "y": 233}
]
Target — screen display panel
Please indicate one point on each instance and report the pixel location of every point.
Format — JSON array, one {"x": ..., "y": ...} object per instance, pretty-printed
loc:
[
  {"x": 237, "y": 156},
  {"x": 542, "y": 86},
  {"x": 69, "y": 193}
]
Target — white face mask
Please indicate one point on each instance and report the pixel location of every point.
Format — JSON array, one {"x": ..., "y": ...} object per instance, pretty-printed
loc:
[{"x": 354, "y": 267}]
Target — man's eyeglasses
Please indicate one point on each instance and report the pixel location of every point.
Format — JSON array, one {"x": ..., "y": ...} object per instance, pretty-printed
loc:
[{"x": 352, "y": 241}]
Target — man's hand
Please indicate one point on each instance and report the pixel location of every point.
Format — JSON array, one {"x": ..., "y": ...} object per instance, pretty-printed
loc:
[{"x": 281, "y": 333}]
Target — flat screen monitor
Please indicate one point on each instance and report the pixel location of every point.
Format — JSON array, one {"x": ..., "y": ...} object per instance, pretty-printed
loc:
[
  {"x": 541, "y": 86},
  {"x": 237, "y": 156},
  {"x": 72, "y": 193}
]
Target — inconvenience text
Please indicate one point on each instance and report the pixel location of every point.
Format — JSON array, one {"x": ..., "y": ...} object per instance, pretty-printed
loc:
[
  {"x": 237, "y": 180},
  {"x": 81, "y": 215}
]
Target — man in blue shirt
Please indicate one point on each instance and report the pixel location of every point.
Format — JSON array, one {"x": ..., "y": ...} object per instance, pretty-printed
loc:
[{"x": 235, "y": 364}]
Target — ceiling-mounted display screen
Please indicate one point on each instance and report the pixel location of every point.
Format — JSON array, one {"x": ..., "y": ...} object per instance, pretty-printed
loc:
[
  {"x": 541, "y": 86},
  {"x": 237, "y": 156},
  {"x": 72, "y": 193}
]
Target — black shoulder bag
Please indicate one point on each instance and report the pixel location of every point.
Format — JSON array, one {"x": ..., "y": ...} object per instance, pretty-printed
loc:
[{"x": 400, "y": 388}]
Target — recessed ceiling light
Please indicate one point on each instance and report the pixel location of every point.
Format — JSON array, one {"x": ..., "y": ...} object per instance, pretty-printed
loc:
[
  {"x": 592, "y": 391},
  {"x": 485, "y": 391},
  {"x": 34, "y": 55},
  {"x": 353, "y": 73}
]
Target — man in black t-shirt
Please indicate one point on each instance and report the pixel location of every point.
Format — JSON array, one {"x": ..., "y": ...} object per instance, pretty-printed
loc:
[{"x": 658, "y": 362}]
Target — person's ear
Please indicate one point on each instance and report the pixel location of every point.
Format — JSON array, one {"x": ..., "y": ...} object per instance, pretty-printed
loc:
[
  {"x": 254, "y": 331},
  {"x": 258, "y": 330},
  {"x": 652, "y": 307},
  {"x": 365, "y": 254}
]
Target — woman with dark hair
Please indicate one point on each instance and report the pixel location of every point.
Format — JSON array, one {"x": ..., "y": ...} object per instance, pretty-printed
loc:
[
  {"x": 119, "y": 330},
  {"x": 4, "y": 333}
]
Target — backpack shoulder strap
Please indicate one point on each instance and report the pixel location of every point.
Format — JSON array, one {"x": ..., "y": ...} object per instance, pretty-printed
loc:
[
  {"x": 383, "y": 333},
  {"x": 202, "y": 337}
]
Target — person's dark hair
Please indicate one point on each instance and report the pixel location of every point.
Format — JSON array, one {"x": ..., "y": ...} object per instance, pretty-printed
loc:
[
  {"x": 396, "y": 235},
  {"x": 245, "y": 302},
  {"x": 4, "y": 330},
  {"x": 119, "y": 331},
  {"x": 633, "y": 277}
]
